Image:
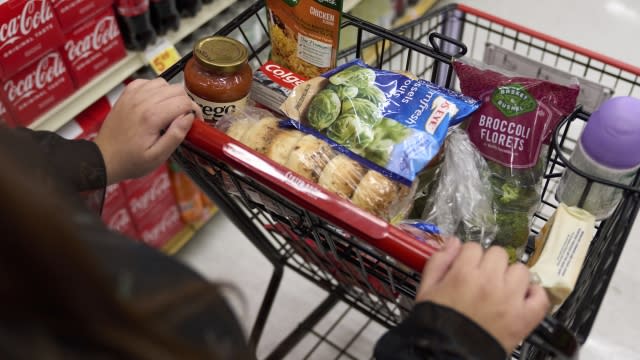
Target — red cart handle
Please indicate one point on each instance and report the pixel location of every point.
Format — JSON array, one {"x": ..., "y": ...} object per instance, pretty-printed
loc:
[{"x": 378, "y": 233}]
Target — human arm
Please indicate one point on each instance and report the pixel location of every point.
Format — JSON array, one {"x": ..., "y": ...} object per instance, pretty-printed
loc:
[{"x": 470, "y": 305}]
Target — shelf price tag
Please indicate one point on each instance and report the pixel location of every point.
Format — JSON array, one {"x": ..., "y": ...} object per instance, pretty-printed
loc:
[{"x": 161, "y": 56}]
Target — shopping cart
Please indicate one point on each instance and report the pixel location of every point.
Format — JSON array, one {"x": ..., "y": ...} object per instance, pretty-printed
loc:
[{"x": 359, "y": 259}]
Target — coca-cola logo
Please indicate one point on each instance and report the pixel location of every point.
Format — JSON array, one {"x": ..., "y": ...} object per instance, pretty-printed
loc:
[
  {"x": 105, "y": 31},
  {"x": 48, "y": 70},
  {"x": 119, "y": 221},
  {"x": 29, "y": 20},
  {"x": 157, "y": 189},
  {"x": 169, "y": 220},
  {"x": 111, "y": 191}
]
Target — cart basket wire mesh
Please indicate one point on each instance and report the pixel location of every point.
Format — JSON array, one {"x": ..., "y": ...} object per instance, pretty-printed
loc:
[{"x": 359, "y": 259}]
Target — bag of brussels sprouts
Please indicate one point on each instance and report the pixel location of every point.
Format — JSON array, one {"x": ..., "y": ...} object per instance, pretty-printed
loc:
[{"x": 382, "y": 119}]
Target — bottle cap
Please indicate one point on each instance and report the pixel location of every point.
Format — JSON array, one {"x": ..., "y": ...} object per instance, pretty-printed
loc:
[
  {"x": 612, "y": 134},
  {"x": 220, "y": 53}
]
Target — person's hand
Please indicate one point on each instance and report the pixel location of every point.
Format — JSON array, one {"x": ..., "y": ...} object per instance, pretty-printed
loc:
[
  {"x": 482, "y": 286},
  {"x": 131, "y": 139}
]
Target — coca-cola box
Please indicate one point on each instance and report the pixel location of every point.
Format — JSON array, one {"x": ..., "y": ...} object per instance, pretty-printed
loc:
[
  {"x": 28, "y": 30},
  {"x": 115, "y": 213},
  {"x": 5, "y": 115},
  {"x": 160, "y": 226},
  {"x": 149, "y": 192},
  {"x": 120, "y": 221},
  {"x": 93, "y": 47},
  {"x": 71, "y": 13},
  {"x": 36, "y": 89}
]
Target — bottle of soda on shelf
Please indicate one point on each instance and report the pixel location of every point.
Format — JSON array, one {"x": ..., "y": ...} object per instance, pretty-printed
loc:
[
  {"x": 135, "y": 22},
  {"x": 164, "y": 16},
  {"x": 189, "y": 8}
]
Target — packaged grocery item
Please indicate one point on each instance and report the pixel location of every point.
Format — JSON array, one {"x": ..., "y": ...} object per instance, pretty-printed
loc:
[
  {"x": 164, "y": 16},
  {"x": 425, "y": 232},
  {"x": 511, "y": 130},
  {"x": 394, "y": 122},
  {"x": 160, "y": 226},
  {"x": 148, "y": 192},
  {"x": 608, "y": 149},
  {"x": 187, "y": 195},
  {"x": 461, "y": 203},
  {"x": 317, "y": 161},
  {"x": 93, "y": 47},
  {"x": 564, "y": 242},
  {"x": 135, "y": 22},
  {"x": 71, "y": 13},
  {"x": 304, "y": 34},
  {"x": 36, "y": 89},
  {"x": 189, "y": 8},
  {"x": 218, "y": 77},
  {"x": 115, "y": 213},
  {"x": 272, "y": 84},
  {"x": 28, "y": 29}
]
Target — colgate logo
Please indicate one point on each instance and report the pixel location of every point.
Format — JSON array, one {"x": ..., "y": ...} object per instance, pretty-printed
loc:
[
  {"x": 120, "y": 221},
  {"x": 22, "y": 25},
  {"x": 48, "y": 70},
  {"x": 169, "y": 220},
  {"x": 159, "y": 187},
  {"x": 105, "y": 31},
  {"x": 282, "y": 76}
]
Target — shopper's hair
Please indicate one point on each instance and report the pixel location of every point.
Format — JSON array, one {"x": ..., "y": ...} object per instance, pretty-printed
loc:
[{"x": 56, "y": 303}]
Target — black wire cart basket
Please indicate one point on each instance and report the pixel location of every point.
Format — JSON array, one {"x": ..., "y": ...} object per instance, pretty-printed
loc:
[{"x": 361, "y": 260}]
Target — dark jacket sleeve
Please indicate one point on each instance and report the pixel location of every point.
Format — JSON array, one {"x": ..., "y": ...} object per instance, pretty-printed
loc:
[
  {"x": 78, "y": 163},
  {"x": 432, "y": 331}
]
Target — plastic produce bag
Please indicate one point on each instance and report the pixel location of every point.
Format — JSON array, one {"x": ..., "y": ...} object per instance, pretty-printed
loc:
[
  {"x": 318, "y": 161},
  {"x": 461, "y": 202},
  {"x": 382, "y": 119},
  {"x": 511, "y": 130}
]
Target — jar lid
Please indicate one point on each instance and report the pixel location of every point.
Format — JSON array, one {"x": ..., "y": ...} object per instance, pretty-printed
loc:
[
  {"x": 612, "y": 134},
  {"x": 220, "y": 53}
]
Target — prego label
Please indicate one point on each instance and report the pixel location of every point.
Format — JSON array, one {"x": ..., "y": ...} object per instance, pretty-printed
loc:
[{"x": 213, "y": 111}]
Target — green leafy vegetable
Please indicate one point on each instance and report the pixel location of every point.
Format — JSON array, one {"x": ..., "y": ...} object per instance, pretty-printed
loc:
[
  {"x": 324, "y": 109},
  {"x": 344, "y": 92},
  {"x": 355, "y": 76},
  {"x": 379, "y": 151},
  {"x": 373, "y": 94},
  {"x": 344, "y": 128},
  {"x": 363, "y": 109}
]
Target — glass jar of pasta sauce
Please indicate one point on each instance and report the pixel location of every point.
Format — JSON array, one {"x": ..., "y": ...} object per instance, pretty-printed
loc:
[{"x": 218, "y": 77}]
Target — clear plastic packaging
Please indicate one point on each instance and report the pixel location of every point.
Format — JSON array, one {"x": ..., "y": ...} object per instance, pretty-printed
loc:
[
  {"x": 461, "y": 202},
  {"x": 318, "y": 161}
]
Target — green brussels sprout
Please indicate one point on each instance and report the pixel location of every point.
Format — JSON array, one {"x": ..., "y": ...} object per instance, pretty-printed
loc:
[
  {"x": 344, "y": 91},
  {"x": 373, "y": 94},
  {"x": 355, "y": 75},
  {"x": 364, "y": 137},
  {"x": 364, "y": 109},
  {"x": 324, "y": 109},
  {"x": 379, "y": 152},
  {"x": 392, "y": 130},
  {"x": 344, "y": 128}
]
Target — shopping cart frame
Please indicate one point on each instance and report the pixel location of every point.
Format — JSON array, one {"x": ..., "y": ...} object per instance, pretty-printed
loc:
[{"x": 218, "y": 164}]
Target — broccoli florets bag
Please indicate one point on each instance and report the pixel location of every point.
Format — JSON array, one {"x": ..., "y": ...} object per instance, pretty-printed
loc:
[{"x": 511, "y": 129}]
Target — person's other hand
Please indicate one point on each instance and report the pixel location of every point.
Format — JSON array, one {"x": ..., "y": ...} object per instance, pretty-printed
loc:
[
  {"x": 484, "y": 287},
  {"x": 131, "y": 139}
]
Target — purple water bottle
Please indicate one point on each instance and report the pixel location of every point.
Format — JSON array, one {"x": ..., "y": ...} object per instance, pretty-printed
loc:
[{"x": 608, "y": 148}]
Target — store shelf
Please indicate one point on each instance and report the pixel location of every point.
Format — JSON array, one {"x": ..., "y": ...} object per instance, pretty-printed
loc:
[
  {"x": 174, "y": 245},
  {"x": 88, "y": 94}
]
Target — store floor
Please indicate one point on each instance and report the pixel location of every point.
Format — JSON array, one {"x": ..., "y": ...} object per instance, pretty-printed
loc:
[{"x": 223, "y": 254}]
